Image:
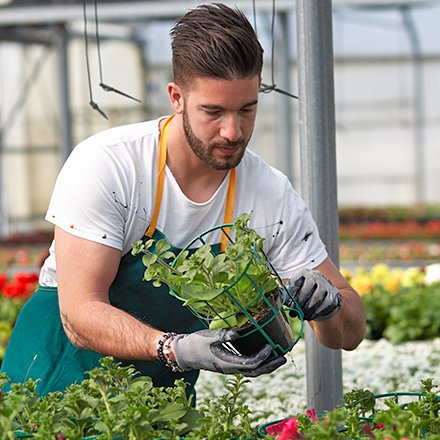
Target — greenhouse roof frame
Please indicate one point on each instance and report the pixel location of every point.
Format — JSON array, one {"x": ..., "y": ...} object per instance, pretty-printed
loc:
[{"x": 44, "y": 13}]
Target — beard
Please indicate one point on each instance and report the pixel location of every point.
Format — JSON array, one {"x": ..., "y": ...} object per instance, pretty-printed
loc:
[{"x": 205, "y": 151}]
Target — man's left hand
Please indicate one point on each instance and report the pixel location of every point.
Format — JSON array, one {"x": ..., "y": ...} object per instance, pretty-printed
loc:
[{"x": 317, "y": 297}]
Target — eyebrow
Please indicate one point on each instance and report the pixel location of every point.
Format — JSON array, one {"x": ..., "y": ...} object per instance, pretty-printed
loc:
[{"x": 219, "y": 107}]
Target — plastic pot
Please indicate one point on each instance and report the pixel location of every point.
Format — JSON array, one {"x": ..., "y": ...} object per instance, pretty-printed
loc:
[{"x": 271, "y": 327}]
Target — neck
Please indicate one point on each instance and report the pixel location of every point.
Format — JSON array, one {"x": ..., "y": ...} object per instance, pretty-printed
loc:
[{"x": 197, "y": 180}]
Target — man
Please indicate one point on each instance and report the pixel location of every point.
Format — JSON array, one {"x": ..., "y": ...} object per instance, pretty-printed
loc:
[{"x": 174, "y": 177}]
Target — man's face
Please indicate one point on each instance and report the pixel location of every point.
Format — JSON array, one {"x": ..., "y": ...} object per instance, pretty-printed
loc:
[{"x": 218, "y": 119}]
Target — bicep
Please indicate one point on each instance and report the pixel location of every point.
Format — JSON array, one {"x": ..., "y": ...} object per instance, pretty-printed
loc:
[{"x": 85, "y": 270}]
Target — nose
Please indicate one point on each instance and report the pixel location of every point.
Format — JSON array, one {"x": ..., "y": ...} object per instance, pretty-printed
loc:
[{"x": 231, "y": 128}]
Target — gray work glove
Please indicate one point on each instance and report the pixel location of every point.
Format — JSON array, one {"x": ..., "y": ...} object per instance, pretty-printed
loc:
[
  {"x": 206, "y": 350},
  {"x": 317, "y": 297}
]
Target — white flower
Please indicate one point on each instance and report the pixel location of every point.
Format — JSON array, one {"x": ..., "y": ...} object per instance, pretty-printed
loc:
[{"x": 432, "y": 273}]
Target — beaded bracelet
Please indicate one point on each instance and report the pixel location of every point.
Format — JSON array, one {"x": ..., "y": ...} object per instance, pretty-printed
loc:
[{"x": 164, "y": 351}]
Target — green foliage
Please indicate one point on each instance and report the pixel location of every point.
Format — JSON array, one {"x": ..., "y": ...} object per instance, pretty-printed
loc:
[
  {"x": 409, "y": 315},
  {"x": 114, "y": 403},
  {"x": 220, "y": 287},
  {"x": 414, "y": 314},
  {"x": 9, "y": 308},
  {"x": 360, "y": 418},
  {"x": 225, "y": 417}
]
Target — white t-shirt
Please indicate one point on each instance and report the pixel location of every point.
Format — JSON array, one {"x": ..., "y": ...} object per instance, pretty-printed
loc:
[{"x": 105, "y": 193}]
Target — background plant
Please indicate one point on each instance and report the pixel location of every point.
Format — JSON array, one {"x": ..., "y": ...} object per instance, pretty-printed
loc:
[
  {"x": 14, "y": 292},
  {"x": 399, "y": 304}
]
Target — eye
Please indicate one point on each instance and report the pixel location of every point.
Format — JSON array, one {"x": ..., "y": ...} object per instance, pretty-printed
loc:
[
  {"x": 247, "y": 110},
  {"x": 212, "y": 112}
]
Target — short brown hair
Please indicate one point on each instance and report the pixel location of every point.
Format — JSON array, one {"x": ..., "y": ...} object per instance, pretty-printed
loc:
[{"x": 216, "y": 41}]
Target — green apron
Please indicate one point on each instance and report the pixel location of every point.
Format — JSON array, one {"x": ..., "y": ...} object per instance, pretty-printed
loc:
[{"x": 39, "y": 348}]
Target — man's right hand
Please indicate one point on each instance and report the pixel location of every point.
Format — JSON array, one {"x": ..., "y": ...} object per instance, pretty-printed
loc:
[{"x": 208, "y": 350}]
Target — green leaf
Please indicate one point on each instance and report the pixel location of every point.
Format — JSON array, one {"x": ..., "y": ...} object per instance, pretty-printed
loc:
[
  {"x": 149, "y": 259},
  {"x": 172, "y": 411},
  {"x": 197, "y": 292},
  {"x": 223, "y": 321}
]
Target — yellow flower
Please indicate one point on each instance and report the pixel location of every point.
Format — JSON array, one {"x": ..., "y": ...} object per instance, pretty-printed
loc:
[
  {"x": 347, "y": 274},
  {"x": 379, "y": 272},
  {"x": 362, "y": 284},
  {"x": 412, "y": 276}
]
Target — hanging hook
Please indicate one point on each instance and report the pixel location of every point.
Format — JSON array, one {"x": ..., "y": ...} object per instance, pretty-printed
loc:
[
  {"x": 104, "y": 86},
  {"x": 92, "y": 103},
  {"x": 112, "y": 89}
]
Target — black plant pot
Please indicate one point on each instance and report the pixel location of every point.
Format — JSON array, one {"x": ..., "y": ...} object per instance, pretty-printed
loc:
[{"x": 277, "y": 332}]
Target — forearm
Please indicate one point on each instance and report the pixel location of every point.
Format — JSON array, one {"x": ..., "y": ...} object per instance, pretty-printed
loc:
[
  {"x": 100, "y": 327},
  {"x": 347, "y": 328}
]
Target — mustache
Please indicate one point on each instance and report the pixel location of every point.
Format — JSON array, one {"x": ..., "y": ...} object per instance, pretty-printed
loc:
[{"x": 236, "y": 144}]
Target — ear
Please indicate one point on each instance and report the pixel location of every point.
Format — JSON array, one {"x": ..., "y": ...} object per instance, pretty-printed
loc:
[{"x": 176, "y": 97}]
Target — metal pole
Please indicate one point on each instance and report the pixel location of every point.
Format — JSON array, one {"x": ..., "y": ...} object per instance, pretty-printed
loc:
[
  {"x": 64, "y": 94},
  {"x": 419, "y": 104},
  {"x": 286, "y": 131},
  {"x": 318, "y": 174}
]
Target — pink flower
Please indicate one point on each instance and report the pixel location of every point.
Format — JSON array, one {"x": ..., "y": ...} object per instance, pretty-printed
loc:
[
  {"x": 286, "y": 429},
  {"x": 276, "y": 428},
  {"x": 367, "y": 429},
  {"x": 290, "y": 430},
  {"x": 311, "y": 413}
]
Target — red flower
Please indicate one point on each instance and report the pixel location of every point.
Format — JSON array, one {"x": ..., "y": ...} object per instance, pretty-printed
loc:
[
  {"x": 3, "y": 280},
  {"x": 26, "y": 278},
  {"x": 14, "y": 289},
  {"x": 379, "y": 426}
]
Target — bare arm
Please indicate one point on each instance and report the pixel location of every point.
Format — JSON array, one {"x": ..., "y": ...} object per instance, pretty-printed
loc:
[
  {"x": 347, "y": 328},
  {"x": 85, "y": 271}
]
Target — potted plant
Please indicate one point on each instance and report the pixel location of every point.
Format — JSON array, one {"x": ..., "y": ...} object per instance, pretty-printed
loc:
[{"x": 237, "y": 287}]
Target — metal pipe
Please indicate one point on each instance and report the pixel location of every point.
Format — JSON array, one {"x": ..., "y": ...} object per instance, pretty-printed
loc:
[
  {"x": 318, "y": 174},
  {"x": 419, "y": 105},
  {"x": 64, "y": 94},
  {"x": 286, "y": 129}
]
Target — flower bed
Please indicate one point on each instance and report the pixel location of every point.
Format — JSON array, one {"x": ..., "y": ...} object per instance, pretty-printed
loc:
[
  {"x": 364, "y": 253},
  {"x": 391, "y": 223},
  {"x": 14, "y": 291},
  {"x": 400, "y": 304}
]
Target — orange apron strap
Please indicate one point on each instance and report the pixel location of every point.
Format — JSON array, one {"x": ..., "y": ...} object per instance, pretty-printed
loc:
[
  {"x": 161, "y": 163},
  {"x": 229, "y": 208}
]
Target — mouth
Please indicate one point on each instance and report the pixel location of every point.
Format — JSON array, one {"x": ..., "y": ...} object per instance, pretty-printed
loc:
[{"x": 229, "y": 150}]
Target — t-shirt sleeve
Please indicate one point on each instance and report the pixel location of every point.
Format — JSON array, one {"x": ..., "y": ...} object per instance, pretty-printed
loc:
[
  {"x": 88, "y": 199},
  {"x": 297, "y": 244}
]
